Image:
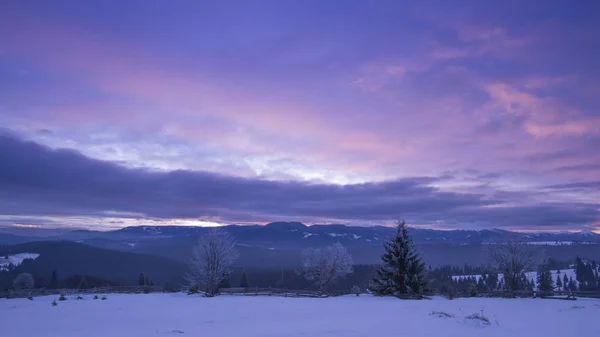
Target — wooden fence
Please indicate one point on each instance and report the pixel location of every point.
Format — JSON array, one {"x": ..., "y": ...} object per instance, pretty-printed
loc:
[{"x": 255, "y": 291}]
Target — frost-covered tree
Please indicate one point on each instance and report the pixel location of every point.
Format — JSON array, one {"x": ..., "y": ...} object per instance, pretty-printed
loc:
[
  {"x": 544, "y": 280},
  {"x": 513, "y": 258},
  {"x": 23, "y": 281},
  {"x": 211, "y": 260},
  {"x": 403, "y": 271},
  {"x": 324, "y": 266}
]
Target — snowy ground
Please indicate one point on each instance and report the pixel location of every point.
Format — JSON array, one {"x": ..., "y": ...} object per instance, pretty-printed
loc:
[{"x": 179, "y": 314}]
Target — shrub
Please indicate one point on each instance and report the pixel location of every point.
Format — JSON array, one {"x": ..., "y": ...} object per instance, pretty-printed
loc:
[
  {"x": 54, "y": 303},
  {"x": 30, "y": 298},
  {"x": 441, "y": 314},
  {"x": 103, "y": 298},
  {"x": 79, "y": 297},
  {"x": 356, "y": 290},
  {"x": 146, "y": 290},
  {"x": 62, "y": 298},
  {"x": 479, "y": 316},
  {"x": 95, "y": 297}
]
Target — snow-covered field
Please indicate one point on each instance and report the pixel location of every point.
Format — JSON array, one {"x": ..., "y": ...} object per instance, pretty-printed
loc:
[
  {"x": 16, "y": 259},
  {"x": 348, "y": 316}
]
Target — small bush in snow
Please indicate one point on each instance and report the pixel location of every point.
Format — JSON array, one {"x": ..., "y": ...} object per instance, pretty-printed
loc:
[
  {"x": 146, "y": 290},
  {"x": 480, "y": 317},
  {"x": 441, "y": 314},
  {"x": 103, "y": 298},
  {"x": 54, "y": 303},
  {"x": 30, "y": 298},
  {"x": 356, "y": 290},
  {"x": 78, "y": 297},
  {"x": 95, "y": 297},
  {"x": 62, "y": 298}
]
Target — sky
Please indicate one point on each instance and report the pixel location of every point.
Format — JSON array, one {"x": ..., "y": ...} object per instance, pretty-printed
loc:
[{"x": 448, "y": 114}]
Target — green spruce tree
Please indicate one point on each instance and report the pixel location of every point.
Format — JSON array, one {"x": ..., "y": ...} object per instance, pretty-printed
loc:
[
  {"x": 141, "y": 280},
  {"x": 544, "y": 280},
  {"x": 403, "y": 271},
  {"x": 559, "y": 283}
]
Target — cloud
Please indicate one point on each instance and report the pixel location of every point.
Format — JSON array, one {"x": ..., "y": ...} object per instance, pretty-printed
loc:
[{"x": 36, "y": 180}]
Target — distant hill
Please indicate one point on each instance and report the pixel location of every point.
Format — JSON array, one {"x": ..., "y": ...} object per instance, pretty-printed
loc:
[
  {"x": 279, "y": 244},
  {"x": 71, "y": 258}
]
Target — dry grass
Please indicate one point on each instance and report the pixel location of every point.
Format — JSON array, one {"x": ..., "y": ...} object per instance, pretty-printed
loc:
[{"x": 441, "y": 314}]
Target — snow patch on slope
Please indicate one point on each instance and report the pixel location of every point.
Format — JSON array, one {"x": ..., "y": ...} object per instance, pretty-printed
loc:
[
  {"x": 16, "y": 259},
  {"x": 532, "y": 275}
]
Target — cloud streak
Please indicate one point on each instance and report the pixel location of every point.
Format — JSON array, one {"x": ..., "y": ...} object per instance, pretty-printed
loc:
[{"x": 36, "y": 180}]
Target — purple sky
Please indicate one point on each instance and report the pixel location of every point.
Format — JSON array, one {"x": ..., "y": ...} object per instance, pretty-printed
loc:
[{"x": 449, "y": 114}]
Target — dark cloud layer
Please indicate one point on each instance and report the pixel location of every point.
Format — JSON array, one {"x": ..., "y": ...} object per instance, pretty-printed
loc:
[{"x": 36, "y": 180}]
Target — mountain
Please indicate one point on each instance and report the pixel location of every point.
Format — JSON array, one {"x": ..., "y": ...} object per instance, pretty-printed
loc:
[
  {"x": 280, "y": 244},
  {"x": 285, "y": 233}
]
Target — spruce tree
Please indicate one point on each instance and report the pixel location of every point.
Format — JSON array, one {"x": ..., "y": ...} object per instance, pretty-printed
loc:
[
  {"x": 403, "y": 271},
  {"x": 141, "y": 280},
  {"x": 244, "y": 281},
  {"x": 565, "y": 281},
  {"x": 572, "y": 285},
  {"x": 53, "y": 280},
  {"x": 579, "y": 270},
  {"x": 544, "y": 280},
  {"x": 559, "y": 283}
]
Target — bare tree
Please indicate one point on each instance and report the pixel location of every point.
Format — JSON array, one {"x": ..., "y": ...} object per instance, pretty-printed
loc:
[
  {"x": 323, "y": 266},
  {"x": 23, "y": 281},
  {"x": 513, "y": 258},
  {"x": 211, "y": 260}
]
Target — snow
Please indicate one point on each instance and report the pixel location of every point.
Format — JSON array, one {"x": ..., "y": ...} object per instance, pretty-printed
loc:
[
  {"x": 335, "y": 235},
  {"x": 532, "y": 275},
  {"x": 307, "y": 235},
  {"x": 347, "y": 316},
  {"x": 354, "y": 236},
  {"x": 16, "y": 259},
  {"x": 551, "y": 243}
]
